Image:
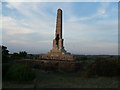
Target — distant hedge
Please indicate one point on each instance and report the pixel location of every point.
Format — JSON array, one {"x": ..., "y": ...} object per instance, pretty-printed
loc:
[{"x": 20, "y": 73}]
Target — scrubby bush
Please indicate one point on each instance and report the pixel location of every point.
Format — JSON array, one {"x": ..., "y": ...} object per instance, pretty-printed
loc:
[
  {"x": 20, "y": 73},
  {"x": 67, "y": 67},
  {"x": 81, "y": 58},
  {"x": 5, "y": 55},
  {"x": 15, "y": 56},
  {"x": 5, "y": 68},
  {"x": 104, "y": 67},
  {"x": 23, "y": 54}
]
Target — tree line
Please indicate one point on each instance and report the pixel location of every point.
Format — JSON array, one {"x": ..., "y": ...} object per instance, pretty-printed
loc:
[{"x": 6, "y": 56}]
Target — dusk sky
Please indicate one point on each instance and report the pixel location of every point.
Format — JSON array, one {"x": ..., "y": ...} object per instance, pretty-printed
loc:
[{"x": 88, "y": 27}]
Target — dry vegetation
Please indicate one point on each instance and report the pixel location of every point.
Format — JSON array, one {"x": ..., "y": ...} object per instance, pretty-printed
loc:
[
  {"x": 94, "y": 72},
  {"x": 90, "y": 72}
]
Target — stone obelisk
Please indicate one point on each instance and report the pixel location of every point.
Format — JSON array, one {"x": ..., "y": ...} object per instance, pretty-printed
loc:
[
  {"x": 58, "y": 52},
  {"x": 58, "y": 41}
]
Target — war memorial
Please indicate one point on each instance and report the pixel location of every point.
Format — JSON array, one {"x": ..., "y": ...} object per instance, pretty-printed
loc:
[{"x": 58, "y": 52}]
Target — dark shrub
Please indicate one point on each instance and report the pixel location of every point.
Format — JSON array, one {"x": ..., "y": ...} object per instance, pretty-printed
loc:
[
  {"x": 23, "y": 54},
  {"x": 5, "y": 55},
  {"x": 20, "y": 73},
  {"x": 66, "y": 67},
  {"x": 81, "y": 58},
  {"x": 15, "y": 56},
  {"x": 105, "y": 67},
  {"x": 5, "y": 68}
]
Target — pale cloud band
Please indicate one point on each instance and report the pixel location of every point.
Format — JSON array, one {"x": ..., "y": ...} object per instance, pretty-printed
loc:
[{"x": 60, "y": 0}]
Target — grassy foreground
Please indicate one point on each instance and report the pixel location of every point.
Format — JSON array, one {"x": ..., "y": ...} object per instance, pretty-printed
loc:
[{"x": 64, "y": 80}]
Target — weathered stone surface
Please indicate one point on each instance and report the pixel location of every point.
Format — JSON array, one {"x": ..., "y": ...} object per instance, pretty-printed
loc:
[
  {"x": 57, "y": 56},
  {"x": 58, "y": 52}
]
